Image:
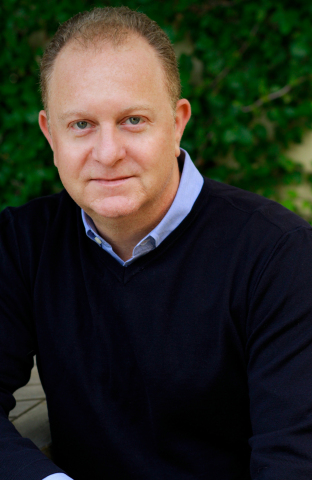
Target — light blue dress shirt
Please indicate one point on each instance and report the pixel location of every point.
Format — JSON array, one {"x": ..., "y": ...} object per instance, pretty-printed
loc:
[{"x": 191, "y": 183}]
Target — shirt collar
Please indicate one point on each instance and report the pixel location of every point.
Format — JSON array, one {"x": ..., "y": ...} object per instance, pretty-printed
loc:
[{"x": 191, "y": 183}]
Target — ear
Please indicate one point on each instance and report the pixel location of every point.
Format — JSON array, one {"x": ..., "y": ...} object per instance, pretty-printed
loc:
[
  {"x": 44, "y": 125},
  {"x": 183, "y": 114}
]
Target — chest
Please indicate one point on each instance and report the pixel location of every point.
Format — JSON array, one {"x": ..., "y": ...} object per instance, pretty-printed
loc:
[{"x": 165, "y": 333}]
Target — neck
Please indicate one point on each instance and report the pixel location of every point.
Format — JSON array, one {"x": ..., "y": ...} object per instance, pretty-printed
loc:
[{"x": 122, "y": 236}]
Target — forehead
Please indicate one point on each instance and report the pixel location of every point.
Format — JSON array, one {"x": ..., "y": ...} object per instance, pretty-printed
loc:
[{"x": 105, "y": 71}]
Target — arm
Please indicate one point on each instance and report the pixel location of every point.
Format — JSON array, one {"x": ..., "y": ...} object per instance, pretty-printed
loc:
[
  {"x": 19, "y": 457},
  {"x": 279, "y": 351}
]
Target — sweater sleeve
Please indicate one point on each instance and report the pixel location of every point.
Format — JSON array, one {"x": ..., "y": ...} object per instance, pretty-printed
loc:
[
  {"x": 19, "y": 457},
  {"x": 279, "y": 350}
]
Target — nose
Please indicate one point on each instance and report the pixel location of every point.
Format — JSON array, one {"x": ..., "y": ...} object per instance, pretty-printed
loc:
[{"x": 109, "y": 147}]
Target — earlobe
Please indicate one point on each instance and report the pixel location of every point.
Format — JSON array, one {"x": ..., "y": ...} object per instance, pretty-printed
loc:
[
  {"x": 183, "y": 114},
  {"x": 44, "y": 126}
]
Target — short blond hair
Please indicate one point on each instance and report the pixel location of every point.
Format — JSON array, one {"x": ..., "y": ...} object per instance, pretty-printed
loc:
[{"x": 113, "y": 25}]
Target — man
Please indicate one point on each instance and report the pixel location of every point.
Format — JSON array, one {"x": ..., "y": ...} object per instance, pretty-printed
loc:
[{"x": 171, "y": 316}]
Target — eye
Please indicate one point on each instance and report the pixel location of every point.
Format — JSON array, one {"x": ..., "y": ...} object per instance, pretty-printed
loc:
[
  {"x": 133, "y": 120},
  {"x": 81, "y": 125}
]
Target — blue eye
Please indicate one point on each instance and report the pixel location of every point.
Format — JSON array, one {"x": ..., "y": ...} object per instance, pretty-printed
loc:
[
  {"x": 82, "y": 125},
  {"x": 134, "y": 120}
]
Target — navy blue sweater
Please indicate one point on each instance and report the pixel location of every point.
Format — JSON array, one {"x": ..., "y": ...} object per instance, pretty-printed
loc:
[{"x": 194, "y": 362}]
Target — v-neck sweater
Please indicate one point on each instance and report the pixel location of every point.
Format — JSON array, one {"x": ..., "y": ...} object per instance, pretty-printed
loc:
[{"x": 193, "y": 362}]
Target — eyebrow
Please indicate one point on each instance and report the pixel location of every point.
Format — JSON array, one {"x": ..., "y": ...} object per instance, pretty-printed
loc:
[{"x": 84, "y": 113}]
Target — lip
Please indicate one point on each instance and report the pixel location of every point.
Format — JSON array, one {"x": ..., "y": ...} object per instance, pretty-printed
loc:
[{"x": 111, "y": 181}]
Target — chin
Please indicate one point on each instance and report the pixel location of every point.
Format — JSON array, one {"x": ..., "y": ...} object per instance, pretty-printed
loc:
[{"x": 114, "y": 207}]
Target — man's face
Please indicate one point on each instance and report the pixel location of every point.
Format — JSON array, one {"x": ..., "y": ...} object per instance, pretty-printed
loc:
[{"x": 113, "y": 131}]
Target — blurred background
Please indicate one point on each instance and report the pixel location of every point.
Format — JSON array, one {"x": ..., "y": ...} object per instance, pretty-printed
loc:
[{"x": 246, "y": 67}]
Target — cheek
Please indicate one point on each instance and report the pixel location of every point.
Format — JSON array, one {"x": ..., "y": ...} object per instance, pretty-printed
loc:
[
  {"x": 68, "y": 158},
  {"x": 160, "y": 145}
]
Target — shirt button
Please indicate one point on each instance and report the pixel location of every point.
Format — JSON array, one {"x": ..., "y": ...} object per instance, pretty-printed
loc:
[
  {"x": 98, "y": 241},
  {"x": 144, "y": 242}
]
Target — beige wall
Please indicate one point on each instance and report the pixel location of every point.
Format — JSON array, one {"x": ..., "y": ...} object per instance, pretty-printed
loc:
[{"x": 301, "y": 153}]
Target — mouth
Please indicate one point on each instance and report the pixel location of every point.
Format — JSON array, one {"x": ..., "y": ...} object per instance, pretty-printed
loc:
[{"x": 111, "y": 181}]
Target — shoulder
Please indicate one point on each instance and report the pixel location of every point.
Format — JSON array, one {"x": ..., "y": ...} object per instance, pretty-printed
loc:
[
  {"x": 234, "y": 205},
  {"x": 41, "y": 226},
  {"x": 27, "y": 228},
  {"x": 37, "y": 213}
]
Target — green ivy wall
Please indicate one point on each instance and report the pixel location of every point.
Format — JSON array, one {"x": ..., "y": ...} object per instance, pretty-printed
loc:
[{"x": 246, "y": 67}]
